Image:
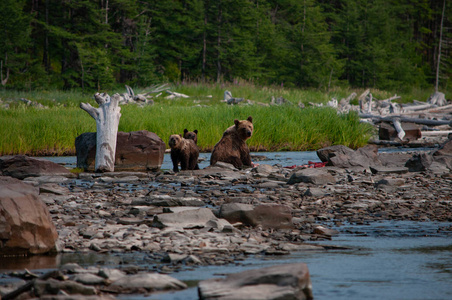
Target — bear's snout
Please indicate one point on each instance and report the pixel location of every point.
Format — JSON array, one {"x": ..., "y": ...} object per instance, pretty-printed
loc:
[{"x": 248, "y": 133}]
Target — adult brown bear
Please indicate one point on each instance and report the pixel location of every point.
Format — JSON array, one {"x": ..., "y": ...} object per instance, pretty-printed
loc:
[
  {"x": 183, "y": 151},
  {"x": 232, "y": 147}
]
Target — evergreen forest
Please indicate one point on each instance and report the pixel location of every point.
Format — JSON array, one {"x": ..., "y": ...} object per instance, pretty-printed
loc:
[{"x": 93, "y": 45}]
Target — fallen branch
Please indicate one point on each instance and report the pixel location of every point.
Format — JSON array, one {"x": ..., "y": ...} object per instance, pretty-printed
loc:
[
  {"x": 407, "y": 119},
  {"x": 398, "y": 127}
]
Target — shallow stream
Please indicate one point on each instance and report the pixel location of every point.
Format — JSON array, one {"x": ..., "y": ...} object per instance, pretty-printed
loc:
[{"x": 381, "y": 260}]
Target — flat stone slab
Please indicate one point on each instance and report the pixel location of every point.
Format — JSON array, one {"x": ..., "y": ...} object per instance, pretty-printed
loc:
[{"x": 388, "y": 170}]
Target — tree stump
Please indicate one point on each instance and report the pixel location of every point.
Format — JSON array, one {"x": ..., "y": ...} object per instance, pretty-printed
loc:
[{"x": 107, "y": 117}]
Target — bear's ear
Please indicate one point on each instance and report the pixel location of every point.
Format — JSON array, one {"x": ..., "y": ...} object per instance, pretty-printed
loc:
[
  {"x": 250, "y": 118},
  {"x": 236, "y": 122},
  {"x": 180, "y": 135},
  {"x": 185, "y": 130},
  {"x": 195, "y": 131}
]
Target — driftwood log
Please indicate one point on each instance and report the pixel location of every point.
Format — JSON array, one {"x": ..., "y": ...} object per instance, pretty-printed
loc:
[
  {"x": 107, "y": 117},
  {"x": 407, "y": 119}
]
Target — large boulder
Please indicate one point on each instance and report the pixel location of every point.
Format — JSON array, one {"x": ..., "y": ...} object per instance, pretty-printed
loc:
[
  {"x": 444, "y": 154},
  {"x": 135, "y": 151},
  {"x": 290, "y": 281},
  {"x": 344, "y": 157},
  {"x": 21, "y": 166},
  {"x": 25, "y": 223}
]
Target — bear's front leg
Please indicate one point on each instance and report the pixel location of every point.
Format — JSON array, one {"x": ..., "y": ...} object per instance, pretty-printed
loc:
[
  {"x": 175, "y": 160},
  {"x": 246, "y": 158},
  {"x": 184, "y": 162}
]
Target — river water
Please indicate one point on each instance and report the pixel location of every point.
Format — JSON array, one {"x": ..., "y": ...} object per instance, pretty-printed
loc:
[{"x": 381, "y": 260}]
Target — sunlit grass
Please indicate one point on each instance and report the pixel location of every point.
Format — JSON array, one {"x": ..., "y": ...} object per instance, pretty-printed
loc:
[{"x": 52, "y": 131}]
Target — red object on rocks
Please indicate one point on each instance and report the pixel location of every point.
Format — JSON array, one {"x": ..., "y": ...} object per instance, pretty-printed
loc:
[{"x": 310, "y": 164}]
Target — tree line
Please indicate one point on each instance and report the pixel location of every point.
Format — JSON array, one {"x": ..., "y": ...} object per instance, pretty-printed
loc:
[{"x": 97, "y": 44}]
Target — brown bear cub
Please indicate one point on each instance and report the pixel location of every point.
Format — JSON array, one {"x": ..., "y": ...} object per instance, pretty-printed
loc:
[
  {"x": 232, "y": 147},
  {"x": 191, "y": 135},
  {"x": 183, "y": 151}
]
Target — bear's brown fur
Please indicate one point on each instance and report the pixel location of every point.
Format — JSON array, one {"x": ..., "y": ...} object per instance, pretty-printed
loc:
[
  {"x": 232, "y": 147},
  {"x": 191, "y": 135},
  {"x": 184, "y": 151}
]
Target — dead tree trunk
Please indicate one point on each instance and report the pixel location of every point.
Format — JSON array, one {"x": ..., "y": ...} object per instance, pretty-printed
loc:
[{"x": 107, "y": 117}]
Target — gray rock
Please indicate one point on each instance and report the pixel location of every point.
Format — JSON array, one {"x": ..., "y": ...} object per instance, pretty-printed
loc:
[
  {"x": 316, "y": 192},
  {"x": 53, "y": 287},
  {"x": 21, "y": 166},
  {"x": 314, "y": 176},
  {"x": 265, "y": 215},
  {"x": 325, "y": 231},
  {"x": 388, "y": 170},
  {"x": 88, "y": 279},
  {"x": 193, "y": 218},
  {"x": 111, "y": 274},
  {"x": 291, "y": 281},
  {"x": 419, "y": 162},
  {"x": 344, "y": 157},
  {"x": 150, "y": 282}
]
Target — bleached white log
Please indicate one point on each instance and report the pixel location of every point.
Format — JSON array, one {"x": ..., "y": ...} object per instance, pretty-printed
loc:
[
  {"x": 369, "y": 108},
  {"x": 438, "y": 98},
  {"x": 107, "y": 117},
  {"x": 436, "y": 133},
  {"x": 177, "y": 95},
  {"x": 398, "y": 127},
  {"x": 407, "y": 119}
]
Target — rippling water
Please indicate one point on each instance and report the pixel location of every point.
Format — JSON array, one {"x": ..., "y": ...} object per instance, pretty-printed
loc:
[{"x": 383, "y": 260}]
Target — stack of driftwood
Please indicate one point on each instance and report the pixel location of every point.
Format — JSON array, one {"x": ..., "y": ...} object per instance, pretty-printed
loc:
[{"x": 416, "y": 123}]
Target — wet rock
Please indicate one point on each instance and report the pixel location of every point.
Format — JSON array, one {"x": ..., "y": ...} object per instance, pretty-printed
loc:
[
  {"x": 235, "y": 212},
  {"x": 314, "y": 176},
  {"x": 325, "y": 231},
  {"x": 26, "y": 226},
  {"x": 148, "y": 282},
  {"x": 111, "y": 274},
  {"x": 21, "y": 166},
  {"x": 137, "y": 151},
  {"x": 419, "y": 162},
  {"x": 291, "y": 281},
  {"x": 88, "y": 279},
  {"x": 53, "y": 287},
  {"x": 265, "y": 215}
]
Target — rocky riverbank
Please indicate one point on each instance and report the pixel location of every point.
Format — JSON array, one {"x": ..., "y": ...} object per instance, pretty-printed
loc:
[{"x": 219, "y": 215}]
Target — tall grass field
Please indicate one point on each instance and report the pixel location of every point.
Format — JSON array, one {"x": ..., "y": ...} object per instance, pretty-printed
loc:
[{"x": 26, "y": 129}]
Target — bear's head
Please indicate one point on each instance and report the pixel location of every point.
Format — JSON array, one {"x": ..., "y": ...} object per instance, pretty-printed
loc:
[
  {"x": 191, "y": 135},
  {"x": 244, "y": 128},
  {"x": 175, "y": 141}
]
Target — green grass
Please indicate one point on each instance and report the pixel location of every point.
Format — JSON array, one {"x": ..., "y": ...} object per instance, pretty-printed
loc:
[{"x": 52, "y": 131}]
